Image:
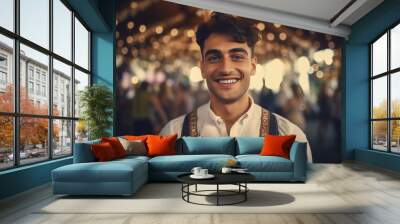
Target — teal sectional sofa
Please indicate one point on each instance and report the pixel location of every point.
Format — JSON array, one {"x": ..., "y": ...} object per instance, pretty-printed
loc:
[{"x": 125, "y": 176}]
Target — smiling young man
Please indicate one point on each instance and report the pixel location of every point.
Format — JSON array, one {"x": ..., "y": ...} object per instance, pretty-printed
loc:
[{"x": 227, "y": 63}]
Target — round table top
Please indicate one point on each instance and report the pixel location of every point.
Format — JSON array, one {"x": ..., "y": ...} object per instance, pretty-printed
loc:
[{"x": 220, "y": 178}]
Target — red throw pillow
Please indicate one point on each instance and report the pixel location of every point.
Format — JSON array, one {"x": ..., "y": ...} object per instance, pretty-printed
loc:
[
  {"x": 116, "y": 145},
  {"x": 103, "y": 151},
  {"x": 277, "y": 145},
  {"x": 161, "y": 145}
]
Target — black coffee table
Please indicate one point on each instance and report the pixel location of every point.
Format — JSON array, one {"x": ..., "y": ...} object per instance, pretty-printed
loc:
[{"x": 238, "y": 179}]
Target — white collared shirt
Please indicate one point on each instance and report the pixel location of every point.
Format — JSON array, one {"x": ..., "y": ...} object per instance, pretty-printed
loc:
[{"x": 209, "y": 124}]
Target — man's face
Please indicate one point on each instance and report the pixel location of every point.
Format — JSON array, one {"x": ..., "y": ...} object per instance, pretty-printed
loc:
[{"x": 227, "y": 66}]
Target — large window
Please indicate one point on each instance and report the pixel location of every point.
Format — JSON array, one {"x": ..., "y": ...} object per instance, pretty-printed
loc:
[
  {"x": 385, "y": 92},
  {"x": 44, "y": 64}
]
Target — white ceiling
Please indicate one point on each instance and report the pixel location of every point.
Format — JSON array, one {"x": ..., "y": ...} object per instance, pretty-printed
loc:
[
  {"x": 315, "y": 15},
  {"x": 319, "y": 9}
]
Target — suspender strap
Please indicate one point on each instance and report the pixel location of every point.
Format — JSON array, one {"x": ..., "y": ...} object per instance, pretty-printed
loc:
[
  {"x": 269, "y": 124},
  {"x": 273, "y": 125},
  {"x": 189, "y": 127},
  {"x": 264, "y": 126}
]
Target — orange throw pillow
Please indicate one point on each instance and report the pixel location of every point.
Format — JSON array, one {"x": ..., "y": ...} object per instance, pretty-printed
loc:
[
  {"x": 161, "y": 145},
  {"x": 136, "y": 137},
  {"x": 103, "y": 151},
  {"x": 116, "y": 145},
  {"x": 277, "y": 145}
]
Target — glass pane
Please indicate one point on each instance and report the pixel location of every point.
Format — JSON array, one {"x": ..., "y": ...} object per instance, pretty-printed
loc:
[
  {"x": 395, "y": 94},
  {"x": 7, "y": 14},
  {"x": 379, "y": 135},
  {"x": 6, "y": 74},
  {"x": 81, "y": 45},
  {"x": 81, "y": 81},
  {"x": 6, "y": 142},
  {"x": 33, "y": 139},
  {"x": 35, "y": 21},
  {"x": 395, "y": 47},
  {"x": 379, "y": 98},
  {"x": 81, "y": 131},
  {"x": 62, "y": 89},
  {"x": 379, "y": 55},
  {"x": 62, "y": 138},
  {"x": 395, "y": 132},
  {"x": 62, "y": 29},
  {"x": 34, "y": 97}
]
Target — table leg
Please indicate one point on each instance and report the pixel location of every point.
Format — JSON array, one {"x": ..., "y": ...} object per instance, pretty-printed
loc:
[
  {"x": 196, "y": 188},
  {"x": 217, "y": 194},
  {"x": 182, "y": 188},
  {"x": 245, "y": 191},
  {"x": 188, "y": 189}
]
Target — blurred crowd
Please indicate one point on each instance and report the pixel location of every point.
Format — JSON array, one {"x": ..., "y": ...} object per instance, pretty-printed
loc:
[
  {"x": 153, "y": 105},
  {"x": 291, "y": 103}
]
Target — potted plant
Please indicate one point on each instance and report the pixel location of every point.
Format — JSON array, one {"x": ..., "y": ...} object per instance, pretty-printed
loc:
[{"x": 96, "y": 102}]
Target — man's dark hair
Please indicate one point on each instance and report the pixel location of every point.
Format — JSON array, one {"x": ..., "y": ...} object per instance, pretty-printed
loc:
[{"x": 241, "y": 30}]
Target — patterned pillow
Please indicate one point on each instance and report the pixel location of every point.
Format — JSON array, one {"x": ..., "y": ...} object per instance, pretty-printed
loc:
[{"x": 133, "y": 147}]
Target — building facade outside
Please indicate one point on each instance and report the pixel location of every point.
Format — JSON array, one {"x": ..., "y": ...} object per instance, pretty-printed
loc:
[{"x": 34, "y": 82}]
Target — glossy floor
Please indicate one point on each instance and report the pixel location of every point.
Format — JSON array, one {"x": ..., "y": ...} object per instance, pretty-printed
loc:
[{"x": 377, "y": 188}]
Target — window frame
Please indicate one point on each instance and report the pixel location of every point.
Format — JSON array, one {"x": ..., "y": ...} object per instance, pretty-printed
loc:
[
  {"x": 16, "y": 114},
  {"x": 388, "y": 74}
]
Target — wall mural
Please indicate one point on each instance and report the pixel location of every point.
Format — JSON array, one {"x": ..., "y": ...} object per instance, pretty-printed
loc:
[{"x": 167, "y": 68}]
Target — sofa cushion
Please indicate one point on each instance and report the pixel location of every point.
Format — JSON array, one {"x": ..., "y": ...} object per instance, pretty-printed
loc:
[
  {"x": 134, "y": 147},
  {"x": 277, "y": 145},
  {"x": 206, "y": 145},
  {"x": 257, "y": 163},
  {"x": 185, "y": 163},
  {"x": 133, "y": 158},
  {"x": 135, "y": 137},
  {"x": 249, "y": 145},
  {"x": 116, "y": 145},
  {"x": 103, "y": 152},
  {"x": 161, "y": 145}
]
